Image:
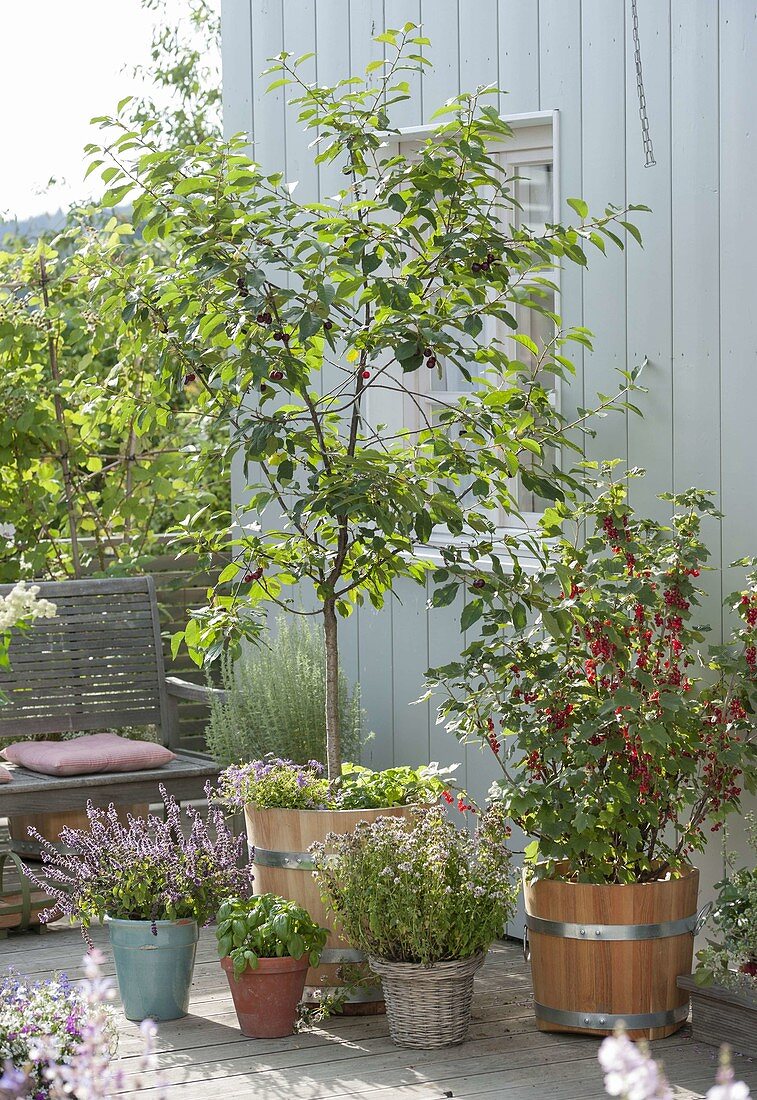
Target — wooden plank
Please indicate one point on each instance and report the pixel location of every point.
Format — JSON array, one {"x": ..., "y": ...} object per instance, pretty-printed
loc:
[
  {"x": 332, "y": 64},
  {"x": 479, "y": 46},
  {"x": 560, "y": 88},
  {"x": 410, "y": 112},
  {"x": 649, "y": 272},
  {"x": 300, "y": 38},
  {"x": 738, "y": 276},
  {"x": 695, "y": 168},
  {"x": 603, "y": 95},
  {"x": 366, "y": 21},
  {"x": 441, "y": 81},
  {"x": 236, "y": 59},
  {"x": 410, "y": 660},
  {"x": 518, "y": 28},
  {"x": 268, "y": 110},
  {"x": 377, "y": 683}
]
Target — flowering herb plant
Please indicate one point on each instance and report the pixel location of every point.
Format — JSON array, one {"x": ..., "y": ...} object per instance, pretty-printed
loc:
[
  {"x": 58, "y": 1040},
  {"x": 421, "y": 892},
  {"x": 146, "y": 869},
  {"x": 619, "y": 736},
  {"x": 267, "y": 927},
  {"x": 53, "y": 1011},
  {"x": 273, "y": 782},
  {"x": 731, "y": 961}
]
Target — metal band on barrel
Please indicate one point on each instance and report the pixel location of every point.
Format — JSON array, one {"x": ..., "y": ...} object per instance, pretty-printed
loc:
[
  {"x": 292, "y": 861},
  {"x": 598, "y": 1021},
  {"x": 341, "y": 955},
  {"x": 606, "y": 932}
]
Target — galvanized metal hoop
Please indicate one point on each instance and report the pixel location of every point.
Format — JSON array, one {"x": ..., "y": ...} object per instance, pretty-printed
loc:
[
  {"x": 607, "y": 1021},
  {"x": 291, "y": 861},
  {"x": 598, "y": 933}
]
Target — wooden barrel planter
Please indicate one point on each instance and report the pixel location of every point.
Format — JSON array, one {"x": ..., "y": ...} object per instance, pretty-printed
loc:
[
  {"x": 280, "y": 839},
  {"x": 50, "y": 826},
  {"x": 605, "y": 954}
]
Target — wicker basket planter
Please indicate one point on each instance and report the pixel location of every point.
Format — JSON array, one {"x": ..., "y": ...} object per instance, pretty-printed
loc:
[{"x": 427, "y": 1006}]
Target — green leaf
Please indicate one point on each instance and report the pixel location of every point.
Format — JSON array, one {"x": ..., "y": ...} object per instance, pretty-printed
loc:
[
  {"x": 580, "y": 207},
  {"x": 472, "y": 612}
]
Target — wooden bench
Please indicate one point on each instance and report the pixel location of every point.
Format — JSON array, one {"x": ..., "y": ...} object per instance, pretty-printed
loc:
[{"x": 98, "y": 665}]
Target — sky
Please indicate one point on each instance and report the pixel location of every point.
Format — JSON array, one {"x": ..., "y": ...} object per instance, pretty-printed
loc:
[{"x": 63, "y": 61}]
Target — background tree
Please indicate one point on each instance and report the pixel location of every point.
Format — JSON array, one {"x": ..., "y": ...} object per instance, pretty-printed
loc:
[
  {"x": 292, "y": 314},
  {"x": 80, "y": 487}
]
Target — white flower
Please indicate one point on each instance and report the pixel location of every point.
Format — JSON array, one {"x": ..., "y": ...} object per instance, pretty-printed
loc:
[
  {"x": 21, "y": 604},
  {"x": 726, "y": 1088},
  {"x": 630, "y": 1072}
]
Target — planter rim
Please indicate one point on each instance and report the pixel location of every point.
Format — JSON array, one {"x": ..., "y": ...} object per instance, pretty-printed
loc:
[
  {"x": 282, "y": 964},
  {"x": 325, "y": 809},
  {"x": 687, "y": 873},
  {"x": 127, "y": 920},
  {"x": 424, "y": 968}
]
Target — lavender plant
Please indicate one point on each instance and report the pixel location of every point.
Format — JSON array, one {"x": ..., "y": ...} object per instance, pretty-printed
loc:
[
  {"x": 419, "y": 893},
  {"x": 146, "y": 869},
  {"x": 273, "y": 782},
  {"x": 55, "y": 1064}
]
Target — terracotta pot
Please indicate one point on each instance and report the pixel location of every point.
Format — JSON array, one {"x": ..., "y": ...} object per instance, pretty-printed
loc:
[
  {"x": 605, "y": 953},
  {"x": 282, "y": 865},
  {"x": 266, "y": 998}
]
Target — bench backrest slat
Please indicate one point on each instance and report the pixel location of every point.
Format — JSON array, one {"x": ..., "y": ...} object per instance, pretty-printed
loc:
[{"x": 97, "y": 665}]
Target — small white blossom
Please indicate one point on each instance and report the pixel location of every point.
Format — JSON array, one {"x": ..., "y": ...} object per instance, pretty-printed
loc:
[{"x": 21, "y": 604}]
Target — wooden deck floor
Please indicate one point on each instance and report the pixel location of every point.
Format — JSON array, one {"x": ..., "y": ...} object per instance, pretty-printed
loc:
[{"x": 505, "y": 1058}]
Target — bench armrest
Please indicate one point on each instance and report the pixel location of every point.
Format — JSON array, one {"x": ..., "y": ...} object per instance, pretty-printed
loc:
[{"x": 197, "y": 693}]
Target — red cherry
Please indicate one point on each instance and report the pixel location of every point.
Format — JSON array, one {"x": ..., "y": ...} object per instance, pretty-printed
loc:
[
  {"x": 276, "y": 375},
  {"x": 431, "y": 362},
  {"x": 189, "y": 378},
  {"x": 479, "y": 582},
  {"x": 366, "y": 374},
  {"x": 248, "y": 577},
  {"x": 427, "y": 352},
  {"x": 328, "y": 324},
  {"x": 278, "y": 335}
]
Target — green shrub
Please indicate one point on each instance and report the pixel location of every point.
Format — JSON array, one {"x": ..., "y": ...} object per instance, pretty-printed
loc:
[{"x": 277, "y": 703}]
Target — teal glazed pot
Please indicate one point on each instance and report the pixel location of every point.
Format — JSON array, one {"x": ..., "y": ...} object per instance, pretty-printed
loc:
[{"x": 154, "y": 972}]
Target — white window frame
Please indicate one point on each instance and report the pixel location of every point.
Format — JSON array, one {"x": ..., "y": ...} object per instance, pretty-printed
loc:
[{"x": 535, "y": 140}]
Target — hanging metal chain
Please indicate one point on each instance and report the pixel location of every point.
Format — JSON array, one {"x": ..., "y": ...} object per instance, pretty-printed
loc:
[{"x": 646, "y": 139}]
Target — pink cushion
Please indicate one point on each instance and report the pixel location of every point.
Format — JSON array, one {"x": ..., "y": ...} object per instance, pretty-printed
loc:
[
  {"x": 100, "y": 752},
  {"x": 5, "y": 775}
]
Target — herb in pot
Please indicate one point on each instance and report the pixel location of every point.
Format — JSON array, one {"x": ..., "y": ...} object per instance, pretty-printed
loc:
[
  {"x": 422, "y": 893},
  {"x": 276, "y": 783},
  {"x": 177, "y": 867},
  {"x": 267, "y": 927}
]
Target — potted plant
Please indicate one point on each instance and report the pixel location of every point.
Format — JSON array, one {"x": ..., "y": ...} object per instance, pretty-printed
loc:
[
  {"x": 724, "y": 986},
  {"x": 424, "y": 900},
  {"x": 288, "y": 317},
  {"x": 154, "y": 881},
  {"x": 621, "y": 741},
  {"x": 290, "y": 806},
  {"x": 266, "y": 945}
]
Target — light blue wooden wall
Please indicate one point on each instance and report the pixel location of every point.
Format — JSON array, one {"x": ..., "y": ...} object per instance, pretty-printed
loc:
[{"x": 686, "y": 301}]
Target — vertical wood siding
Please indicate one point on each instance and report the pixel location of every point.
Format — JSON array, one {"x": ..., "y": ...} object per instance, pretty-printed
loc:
[{"x": 686, "y": 300}]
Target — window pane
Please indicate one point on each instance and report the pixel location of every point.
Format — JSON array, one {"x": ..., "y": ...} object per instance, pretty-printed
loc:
[{"x": 533, "y": 191}]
